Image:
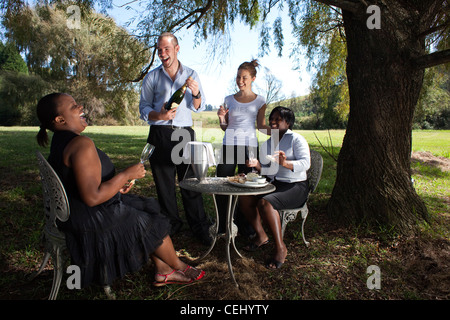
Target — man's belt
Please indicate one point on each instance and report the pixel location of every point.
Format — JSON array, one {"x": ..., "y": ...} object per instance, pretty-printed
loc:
[{"x": 171, "y": 126}]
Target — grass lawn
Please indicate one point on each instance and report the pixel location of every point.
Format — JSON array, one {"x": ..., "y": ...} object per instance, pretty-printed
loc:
[{"x": 333, "y": 267}]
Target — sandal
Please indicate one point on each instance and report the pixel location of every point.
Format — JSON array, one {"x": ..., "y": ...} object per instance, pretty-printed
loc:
[
  {"x": 252, "y": 247},
  {"x": 200, "y": 275},
  {"x": 166, "y": 281},
  {"x": 272, "y": 262}
]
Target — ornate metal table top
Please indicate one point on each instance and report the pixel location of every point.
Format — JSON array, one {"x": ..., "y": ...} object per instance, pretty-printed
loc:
[{"x": 217, "y": 185}]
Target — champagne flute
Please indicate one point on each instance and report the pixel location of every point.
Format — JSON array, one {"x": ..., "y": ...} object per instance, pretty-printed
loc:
[
  {"x": 146, "y": 153},
  {"x": 251, "y": 157},
  {"x": 225, "y": 107}
]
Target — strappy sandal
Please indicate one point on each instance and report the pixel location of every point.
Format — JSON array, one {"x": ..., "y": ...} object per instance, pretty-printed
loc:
[
  {"x": 201, "y": 274},
  {"x": 166, "y": 281}
]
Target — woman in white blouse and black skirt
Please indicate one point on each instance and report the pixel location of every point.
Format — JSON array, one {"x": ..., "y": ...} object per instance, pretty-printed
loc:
[{"x": 284, "y": 160}]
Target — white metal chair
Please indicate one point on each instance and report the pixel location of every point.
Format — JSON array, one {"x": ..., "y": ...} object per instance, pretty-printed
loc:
[
  {"x": 56, "y": 206},
  {"x": 314, "y": 173}
]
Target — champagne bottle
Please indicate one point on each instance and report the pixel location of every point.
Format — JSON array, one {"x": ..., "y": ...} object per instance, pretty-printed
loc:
[{"x": 176, "y": 98}]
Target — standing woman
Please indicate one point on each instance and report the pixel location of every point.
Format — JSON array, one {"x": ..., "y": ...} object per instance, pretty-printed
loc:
[
  {"x": 244, "y": 109},
  {"x": 109, "y": 233}
]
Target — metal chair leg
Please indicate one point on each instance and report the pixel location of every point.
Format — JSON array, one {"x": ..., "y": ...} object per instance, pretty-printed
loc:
[
  {"x": 303, "y": 232},
  {"x": 43, "y": 265},
  {"x": 57, "y": 274}
]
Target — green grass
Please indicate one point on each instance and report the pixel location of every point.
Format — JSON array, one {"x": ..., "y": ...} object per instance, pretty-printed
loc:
[{"x": 334, "y": 267}]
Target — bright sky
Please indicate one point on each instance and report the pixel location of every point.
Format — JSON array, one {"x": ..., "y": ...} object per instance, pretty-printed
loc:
[{"x": 217, "y": 78}]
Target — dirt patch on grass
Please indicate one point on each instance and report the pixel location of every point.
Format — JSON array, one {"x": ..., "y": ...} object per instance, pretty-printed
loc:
[{"x": 427, "y": 158}]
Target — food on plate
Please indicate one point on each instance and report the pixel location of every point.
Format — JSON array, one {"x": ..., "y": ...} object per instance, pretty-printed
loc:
[
  {"x": 252, "y": 175},
  {"x": 250, "y": 179},
  {"x": 237, "y": 179}
]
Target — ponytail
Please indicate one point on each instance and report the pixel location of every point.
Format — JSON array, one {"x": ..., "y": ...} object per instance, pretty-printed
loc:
[
  {"x": 42, "y": 137},
  {"x": 46, "y": 111}
]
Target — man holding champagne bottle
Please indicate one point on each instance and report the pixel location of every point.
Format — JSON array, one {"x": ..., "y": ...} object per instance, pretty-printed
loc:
[{"x": 157, "y": 88}]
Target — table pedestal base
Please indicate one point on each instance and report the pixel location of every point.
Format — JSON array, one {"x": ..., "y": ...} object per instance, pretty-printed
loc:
[{"x": 230, "y": 235}]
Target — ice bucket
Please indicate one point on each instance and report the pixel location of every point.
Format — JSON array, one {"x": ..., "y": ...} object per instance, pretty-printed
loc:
[{"x": 201, "y": 157}]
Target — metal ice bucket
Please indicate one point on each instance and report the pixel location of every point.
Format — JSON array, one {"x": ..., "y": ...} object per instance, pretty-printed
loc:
[{"x": 199, "y": 160}]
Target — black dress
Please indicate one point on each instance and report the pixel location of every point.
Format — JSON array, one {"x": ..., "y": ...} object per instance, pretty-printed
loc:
[{"x": 111, "y": 239}]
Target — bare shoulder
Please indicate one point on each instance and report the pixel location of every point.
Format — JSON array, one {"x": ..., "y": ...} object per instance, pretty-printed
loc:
[
  {"x": 80, "y": 143},
  {"x": 80, "y": 147}
]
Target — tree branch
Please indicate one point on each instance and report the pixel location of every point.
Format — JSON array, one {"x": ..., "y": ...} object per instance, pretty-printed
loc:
[
  {"x": 346, "y": 5},
  {"x": 435, "y": 29},
  {"x": 433, "y": 59},
  {"x": 202, "y": 12},
  {"x": 145, "y": 71}
]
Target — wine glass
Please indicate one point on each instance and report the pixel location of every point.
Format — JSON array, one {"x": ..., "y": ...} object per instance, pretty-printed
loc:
[
  {"x": 251, "y": 158},
  {"x": 225, "y": 107},
  {"x": 146, "y": 153}
]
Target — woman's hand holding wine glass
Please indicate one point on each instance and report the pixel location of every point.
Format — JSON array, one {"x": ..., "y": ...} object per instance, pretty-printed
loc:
[{"x": 222, "y": 112}]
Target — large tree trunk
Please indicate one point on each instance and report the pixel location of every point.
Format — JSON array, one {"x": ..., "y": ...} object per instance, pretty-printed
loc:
[{"x": 373, "y": 182}]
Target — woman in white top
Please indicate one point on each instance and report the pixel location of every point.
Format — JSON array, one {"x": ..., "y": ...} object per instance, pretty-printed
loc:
[
  {"x": 245, "y": 112},
  {"x": 285, "y": 158}
]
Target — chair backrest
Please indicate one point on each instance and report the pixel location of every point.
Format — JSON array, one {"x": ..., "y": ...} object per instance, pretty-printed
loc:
[
  {"x": 56, "y": 203},
  {"x": 315, "y": 170}
]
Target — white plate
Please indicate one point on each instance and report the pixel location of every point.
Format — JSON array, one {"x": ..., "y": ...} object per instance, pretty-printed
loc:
[{"x": 249, "y": 184}]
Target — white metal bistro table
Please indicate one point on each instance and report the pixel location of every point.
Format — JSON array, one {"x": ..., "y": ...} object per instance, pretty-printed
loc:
[{"x": 220, "y": 186}]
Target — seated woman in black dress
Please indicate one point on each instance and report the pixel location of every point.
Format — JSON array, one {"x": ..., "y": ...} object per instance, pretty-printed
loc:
[{"x": 109, "y": 232}]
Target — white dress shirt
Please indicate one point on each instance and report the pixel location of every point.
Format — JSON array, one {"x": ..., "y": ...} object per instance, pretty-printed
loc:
[
  {"x": 296, "y": 149},
  {"x": 158, "y": 87}
]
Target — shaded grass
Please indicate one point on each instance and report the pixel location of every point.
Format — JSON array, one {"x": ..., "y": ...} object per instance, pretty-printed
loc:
[{"x": 333, "y": 267}]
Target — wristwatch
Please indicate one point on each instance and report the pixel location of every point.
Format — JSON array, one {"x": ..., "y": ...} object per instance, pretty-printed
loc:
[{"x": 198, "y": 96}]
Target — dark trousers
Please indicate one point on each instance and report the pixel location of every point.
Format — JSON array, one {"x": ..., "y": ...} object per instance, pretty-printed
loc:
[
  {"x": 233, "y": 157},
  {"x": 164, "y": 172}
]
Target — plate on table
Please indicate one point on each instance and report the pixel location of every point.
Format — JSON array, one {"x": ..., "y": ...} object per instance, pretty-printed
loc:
[{"x": 248, "y": 184}]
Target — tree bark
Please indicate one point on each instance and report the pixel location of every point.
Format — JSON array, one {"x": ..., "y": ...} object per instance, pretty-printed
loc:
[{"x": 373, "y": 184}]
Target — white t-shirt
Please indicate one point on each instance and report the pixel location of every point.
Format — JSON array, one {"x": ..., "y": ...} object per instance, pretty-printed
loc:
[{"x": 241, "y": 130}]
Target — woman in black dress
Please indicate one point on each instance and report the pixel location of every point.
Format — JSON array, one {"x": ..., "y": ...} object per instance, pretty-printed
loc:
[{"x": 109, "y": 232}]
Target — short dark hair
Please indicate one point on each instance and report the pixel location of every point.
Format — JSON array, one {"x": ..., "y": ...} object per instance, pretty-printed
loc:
[{"x": 286, "y": 114}]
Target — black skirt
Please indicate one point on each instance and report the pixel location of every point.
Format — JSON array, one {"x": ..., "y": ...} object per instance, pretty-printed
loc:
[
  {"x": 115, "y": 238},
  {"x": 288, "y": 195}
]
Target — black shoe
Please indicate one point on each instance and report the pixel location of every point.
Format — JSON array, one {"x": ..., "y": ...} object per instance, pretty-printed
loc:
[
  {"x": 175, "y": 228},
  {"x": 204, "y": 238}
]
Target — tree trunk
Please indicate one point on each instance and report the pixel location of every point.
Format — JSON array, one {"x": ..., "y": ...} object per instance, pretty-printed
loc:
[{"x": 373, "y": 184}]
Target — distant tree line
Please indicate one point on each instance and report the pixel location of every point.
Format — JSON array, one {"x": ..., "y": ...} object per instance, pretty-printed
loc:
[
  {"x": 330, "y": 111},
  {"x": 99, "y": 61}
]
